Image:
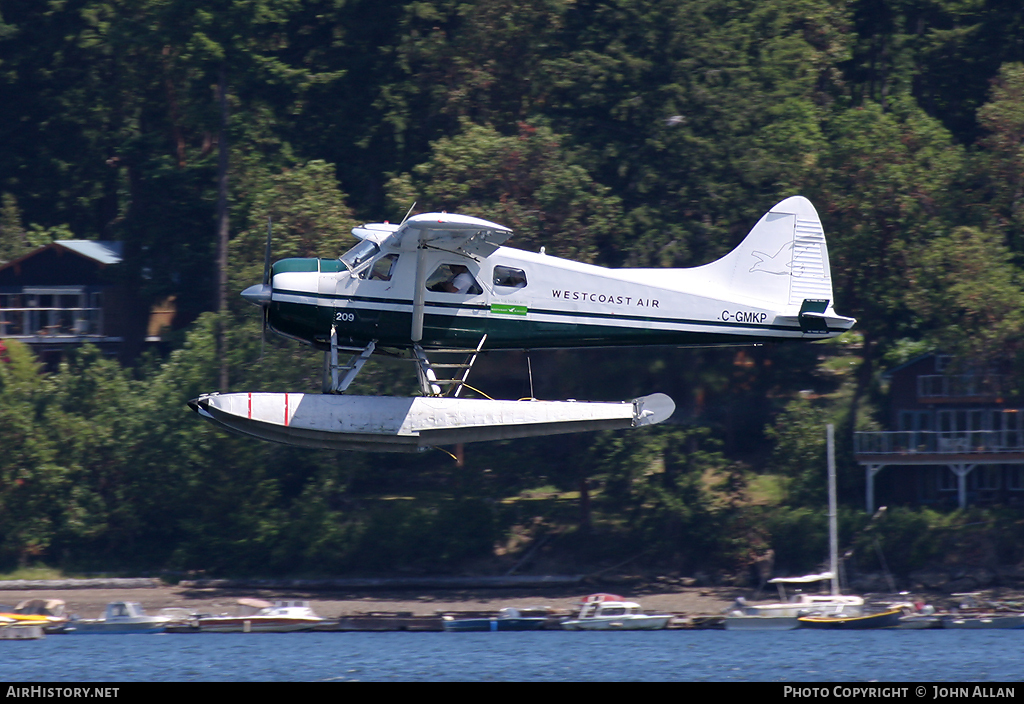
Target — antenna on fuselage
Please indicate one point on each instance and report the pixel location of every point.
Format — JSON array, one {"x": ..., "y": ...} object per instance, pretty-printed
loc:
[{"x": 407, "y": 214}]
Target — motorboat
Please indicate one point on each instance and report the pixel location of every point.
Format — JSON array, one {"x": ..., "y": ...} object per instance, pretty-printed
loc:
[
  {"x": 918, "y": 616},
  {"x": 983, "y": 621},
  {"x": 49, "y": 614},
  {"x": 257, "y": 616},
  {"x": 120, "y": 617},
  {"x": 972, "y": 613},
  {"x": 508, "y": 619},
  {"x": 610, "y": 612}
]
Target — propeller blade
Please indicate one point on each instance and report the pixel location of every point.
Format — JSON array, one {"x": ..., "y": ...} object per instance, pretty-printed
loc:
[
  {"x": 266, "y": 256},
  {"x": 263, "y": 332},
  {"x": 267, "y": 289}
]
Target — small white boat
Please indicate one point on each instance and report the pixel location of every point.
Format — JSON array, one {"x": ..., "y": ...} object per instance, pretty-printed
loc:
[
  {"x": 984, "y": 621},
  {"x": 973, "y": 613},
  {"x": 609, "y": 612},
  {"x": 120, "y": 617},
  {"x": 256, "y": 616}
]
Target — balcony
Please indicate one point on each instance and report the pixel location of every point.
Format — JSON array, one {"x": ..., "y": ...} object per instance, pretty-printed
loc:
[
  {"x": 933, "y": 447},
  {"x": 38, "y": 324}
]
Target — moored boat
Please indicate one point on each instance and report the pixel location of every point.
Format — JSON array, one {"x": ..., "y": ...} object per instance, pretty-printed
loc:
[
  {"x": 609, "y": 612},
  {"x": 508, "y": 619},
  {"x": 262, "y": 617},
  {"x": 120, "y": 617},
  {"x": 884, "y": 619},
  {"x": 802, "y": 604},
  {"x": 983, "y": 621},
  {"x": 49, "y": 614}
]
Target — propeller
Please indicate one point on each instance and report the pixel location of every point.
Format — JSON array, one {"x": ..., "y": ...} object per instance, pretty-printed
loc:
[{"x": 261, "y": 294}]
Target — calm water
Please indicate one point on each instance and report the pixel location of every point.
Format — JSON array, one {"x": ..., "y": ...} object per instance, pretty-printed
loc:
[{"x": 796, "y": 656}]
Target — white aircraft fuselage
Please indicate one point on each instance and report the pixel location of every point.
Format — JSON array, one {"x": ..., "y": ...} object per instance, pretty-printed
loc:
[{"x": 776, "y": 285}]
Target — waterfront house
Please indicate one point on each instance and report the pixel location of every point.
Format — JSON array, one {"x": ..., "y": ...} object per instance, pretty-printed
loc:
[{"x": 956, "y": 438}]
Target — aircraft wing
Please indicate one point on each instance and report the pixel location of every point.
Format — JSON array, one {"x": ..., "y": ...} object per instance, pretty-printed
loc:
[{"x": 460, "y": 234}]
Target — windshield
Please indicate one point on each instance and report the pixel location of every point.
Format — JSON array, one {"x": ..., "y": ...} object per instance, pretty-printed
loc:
[{"x": 363, "y": 251}]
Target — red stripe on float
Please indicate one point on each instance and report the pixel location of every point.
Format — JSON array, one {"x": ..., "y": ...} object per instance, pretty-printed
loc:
[
  {"x": 250, "y": 406},
  {"x": 286, "y": 409}
]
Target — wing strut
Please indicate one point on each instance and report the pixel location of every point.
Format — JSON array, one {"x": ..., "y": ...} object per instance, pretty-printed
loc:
[
  {"x": 419, "y": 293},
  {"x": 337, "y": 378}
]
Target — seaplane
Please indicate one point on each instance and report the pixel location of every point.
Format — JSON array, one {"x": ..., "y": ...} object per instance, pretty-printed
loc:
[{"x": 443, "y": 285}]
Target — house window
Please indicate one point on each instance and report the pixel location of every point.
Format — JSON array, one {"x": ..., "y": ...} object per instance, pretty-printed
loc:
[
  {"x": 1008, "y": 423},
  {"x": 985, "y": 478},
  {"x": 947, "y": 479},
  {"x": 1015, "y": 477},
  {"x": 915, "y": 420}
]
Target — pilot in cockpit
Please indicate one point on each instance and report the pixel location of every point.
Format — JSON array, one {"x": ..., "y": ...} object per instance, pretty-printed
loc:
[{"x": 458, "y": 280}]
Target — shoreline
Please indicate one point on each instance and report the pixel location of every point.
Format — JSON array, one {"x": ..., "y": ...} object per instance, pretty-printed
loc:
[
  {"x": 383, "y": 597},
  {"x": 91, "y": 602}
]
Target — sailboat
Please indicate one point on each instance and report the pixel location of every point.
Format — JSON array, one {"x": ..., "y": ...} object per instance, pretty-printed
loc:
[{"x": 788, "y": 614}]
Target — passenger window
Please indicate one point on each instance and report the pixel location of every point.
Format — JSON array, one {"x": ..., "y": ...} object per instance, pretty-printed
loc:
[
  {"x": 509, "y": 277},
  {"x": 453, "y": 278},
  {"x": 383, "y": 268}
]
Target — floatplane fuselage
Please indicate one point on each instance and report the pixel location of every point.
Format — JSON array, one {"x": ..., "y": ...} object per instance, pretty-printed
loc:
[{"x": 440, "y": 283}]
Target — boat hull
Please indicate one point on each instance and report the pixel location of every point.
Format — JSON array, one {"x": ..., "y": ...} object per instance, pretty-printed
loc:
[
  {"x": 21, "y": 632},
  {"x": 886, "y": 619},
  {"x": 761, "y": 623},
  {"x": 256, "y": 624},
  {"x": 919, "y": 623},
  {"x": 494, "y": 624},
  {"x": 100, "y": 627},
  {"x": 635, "y": 623},
  {"x": 1015, "y": 621}
]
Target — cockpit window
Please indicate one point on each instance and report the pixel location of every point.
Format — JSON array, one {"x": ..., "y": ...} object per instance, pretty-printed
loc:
[
  {"x": 359, "y": 254},
  {"x": 509, "y": 277},
  {"x": 453, "y": 278},
  {"x": 383, "y": 268}
]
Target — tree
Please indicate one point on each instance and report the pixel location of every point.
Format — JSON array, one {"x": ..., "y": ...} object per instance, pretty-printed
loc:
[
  {"x": 527, "y": 182},
  {"x": 1000, "y": 161},
  {"x": 970, "y": 297}
]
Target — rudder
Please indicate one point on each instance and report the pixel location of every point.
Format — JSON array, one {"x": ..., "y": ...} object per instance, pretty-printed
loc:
[{"x": 783, "y": 260}]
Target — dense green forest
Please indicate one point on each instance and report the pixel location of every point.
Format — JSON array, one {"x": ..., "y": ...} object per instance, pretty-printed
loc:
[{"x": 619, "y": 132}]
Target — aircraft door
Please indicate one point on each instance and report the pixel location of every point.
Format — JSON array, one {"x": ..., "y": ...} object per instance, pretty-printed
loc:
[{"x": 456, "y": 303}]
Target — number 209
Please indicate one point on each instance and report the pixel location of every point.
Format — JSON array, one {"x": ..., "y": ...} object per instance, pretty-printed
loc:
[{"x": 343, "y": 317}]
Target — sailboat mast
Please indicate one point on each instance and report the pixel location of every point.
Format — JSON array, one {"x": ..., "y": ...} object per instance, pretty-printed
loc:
[{"x": 833, "y": 528}]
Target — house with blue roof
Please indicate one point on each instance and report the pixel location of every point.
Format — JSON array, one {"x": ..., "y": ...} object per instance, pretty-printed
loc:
[{"x": 67, "y": 293}]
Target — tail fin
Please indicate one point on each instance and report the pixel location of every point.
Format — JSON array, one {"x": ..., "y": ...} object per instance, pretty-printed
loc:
[{"x": 783, "y": 260}]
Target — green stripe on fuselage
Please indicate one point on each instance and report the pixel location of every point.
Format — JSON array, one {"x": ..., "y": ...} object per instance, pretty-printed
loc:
[{"x": 357, "y": 325}]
